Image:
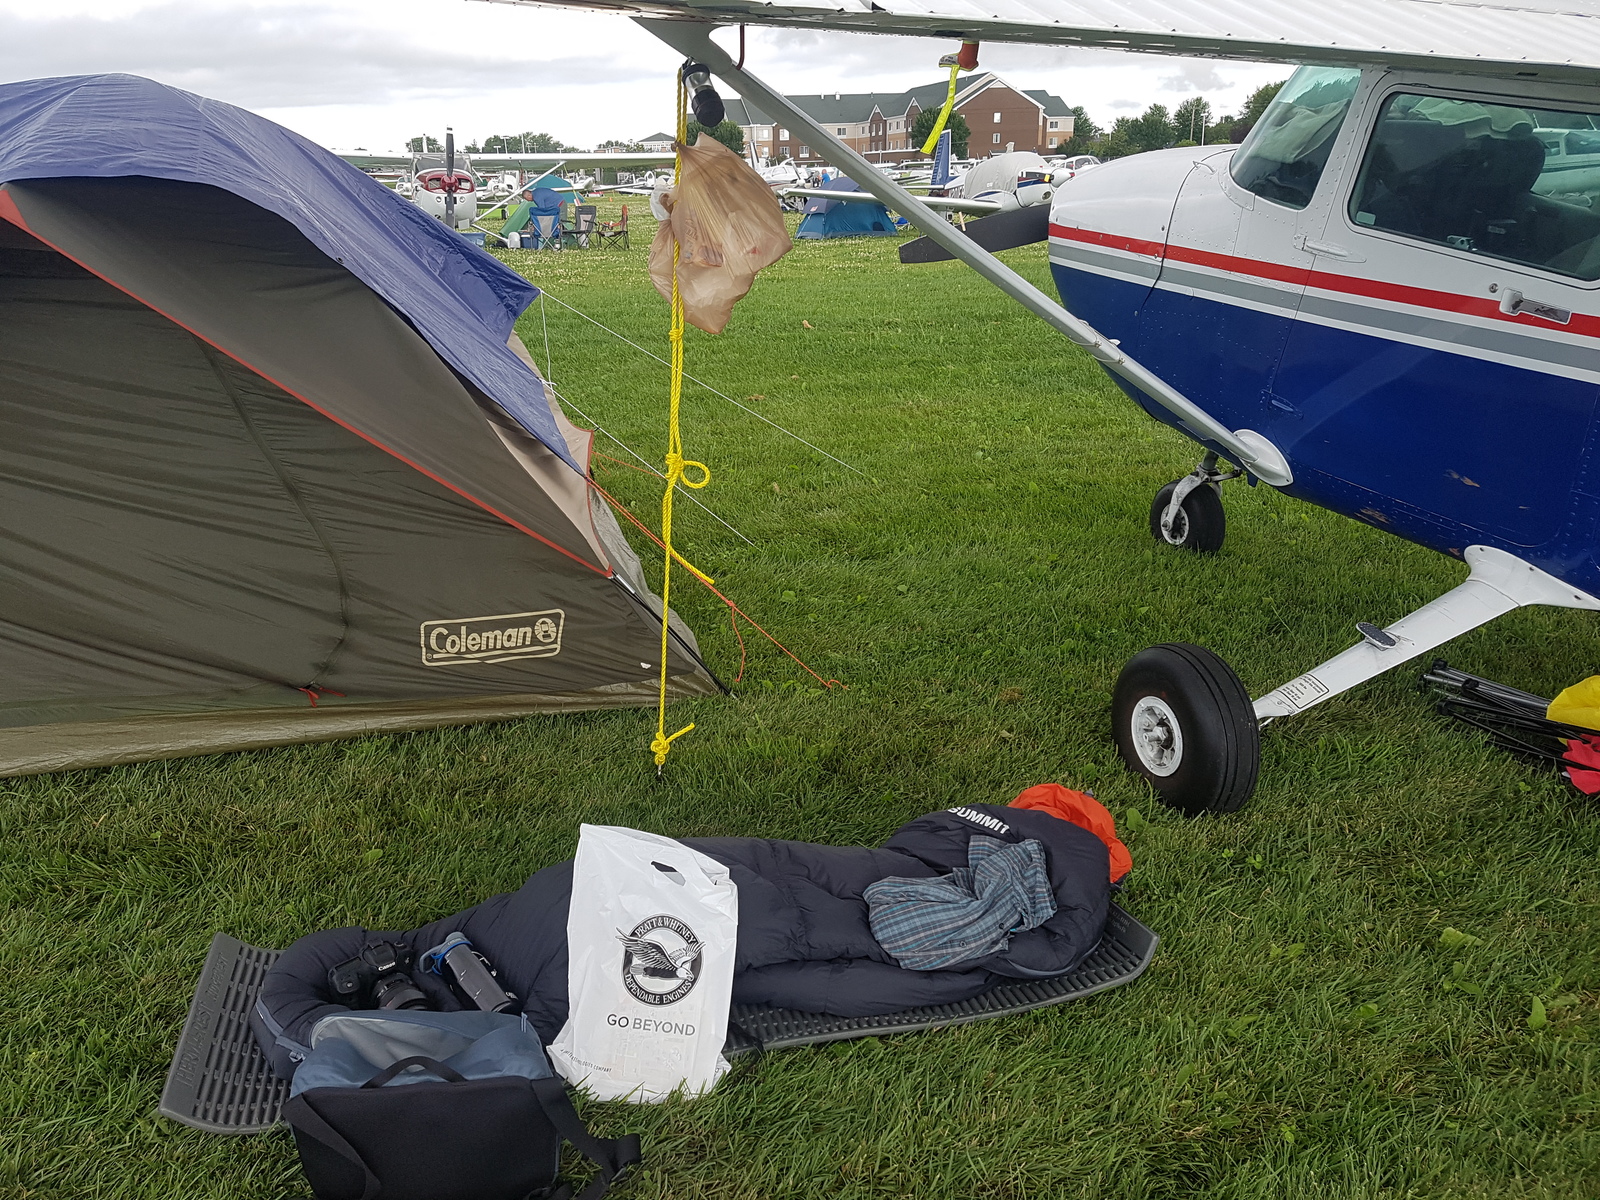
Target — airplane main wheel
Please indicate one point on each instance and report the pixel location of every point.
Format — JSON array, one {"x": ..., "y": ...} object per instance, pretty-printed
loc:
[
  {"x": 1182, "y": 719},
  {"x": 1200, "y": 523}
]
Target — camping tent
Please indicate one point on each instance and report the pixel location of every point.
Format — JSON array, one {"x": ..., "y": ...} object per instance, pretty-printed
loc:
[
  {"x": 525, "y": 218},
  {"x": 273, "y": 465},
  {"x": 844, "y": 218},
  {"x": 546, "y": 200}
]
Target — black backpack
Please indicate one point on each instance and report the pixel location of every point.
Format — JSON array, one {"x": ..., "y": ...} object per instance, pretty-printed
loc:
[
  {"x": 422, "y": 1105},
  {"x": 455, "y": 1139}
]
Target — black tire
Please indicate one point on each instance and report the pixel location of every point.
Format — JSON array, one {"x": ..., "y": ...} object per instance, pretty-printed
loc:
[
  {"x": 1182, "y": 719},
  {"x": 1201, "y": 523}
]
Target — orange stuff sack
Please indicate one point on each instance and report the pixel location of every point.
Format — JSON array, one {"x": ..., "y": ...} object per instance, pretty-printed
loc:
[
  {"x": 727, "y": 224},
  {"x": 1081, "y": 809}
]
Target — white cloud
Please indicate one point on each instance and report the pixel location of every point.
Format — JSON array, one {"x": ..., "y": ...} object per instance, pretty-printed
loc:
[{"x": 375, "y": 72}]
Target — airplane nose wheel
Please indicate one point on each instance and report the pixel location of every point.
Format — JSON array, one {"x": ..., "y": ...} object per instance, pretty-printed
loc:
[
  {"x": 1198, "y": 522},
  {"x": 1182, "y": 719},
  {"x": 1187, "y": 513}
]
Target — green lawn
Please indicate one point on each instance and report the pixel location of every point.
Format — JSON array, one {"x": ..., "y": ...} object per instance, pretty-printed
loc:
[{"x": 1304, "y": 1031}]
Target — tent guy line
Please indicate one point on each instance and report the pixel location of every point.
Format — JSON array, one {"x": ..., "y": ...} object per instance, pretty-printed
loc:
[
  {"x": 707, "y": 387},
  {"x": 599, "y": 428}
]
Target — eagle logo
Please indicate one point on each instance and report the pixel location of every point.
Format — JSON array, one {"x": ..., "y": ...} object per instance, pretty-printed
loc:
[{"x": 660, "y": 960}]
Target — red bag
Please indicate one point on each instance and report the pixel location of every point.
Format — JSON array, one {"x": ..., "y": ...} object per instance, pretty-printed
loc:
[{"x": 1081, "y": 809}]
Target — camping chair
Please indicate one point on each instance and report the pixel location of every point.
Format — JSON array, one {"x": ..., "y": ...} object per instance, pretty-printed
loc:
[
  {"x": 611, "y": 233},
  {"x": 546, "y": 231},
  {"x": 582, "y": 225}
]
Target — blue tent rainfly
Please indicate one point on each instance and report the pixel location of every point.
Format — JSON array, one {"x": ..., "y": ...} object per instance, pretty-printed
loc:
[{"x": 462, "y": 301}]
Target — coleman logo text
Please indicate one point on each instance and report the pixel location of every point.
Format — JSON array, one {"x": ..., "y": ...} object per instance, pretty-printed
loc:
[{"x": 492, "y": 639}]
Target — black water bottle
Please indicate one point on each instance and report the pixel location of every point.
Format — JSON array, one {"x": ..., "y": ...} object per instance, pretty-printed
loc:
[{"x": 703, "y": 99}]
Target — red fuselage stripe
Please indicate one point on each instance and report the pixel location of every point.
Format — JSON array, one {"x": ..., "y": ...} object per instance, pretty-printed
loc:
[
  {"x": 1398, "y": 293},
  {"x": 10, "y": 212}
]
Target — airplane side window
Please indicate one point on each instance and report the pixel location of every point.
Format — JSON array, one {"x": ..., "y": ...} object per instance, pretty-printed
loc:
[
  {"x": 1282, "y": 157},
  {"x": 1510, "y": 182}
]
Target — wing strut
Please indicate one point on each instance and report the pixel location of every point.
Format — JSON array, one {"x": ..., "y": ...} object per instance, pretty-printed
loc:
[{"x": 1245, "y": 447}]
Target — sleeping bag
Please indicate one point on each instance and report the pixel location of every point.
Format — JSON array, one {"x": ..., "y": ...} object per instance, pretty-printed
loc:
[{"x": 805, "y": 937}]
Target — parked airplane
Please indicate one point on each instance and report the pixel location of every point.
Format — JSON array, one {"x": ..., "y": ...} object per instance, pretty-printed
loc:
[
  {"x": 1385, "y": 302},
  {"x": 444, "y": 185},
  {"x": 991, "y": 185}
]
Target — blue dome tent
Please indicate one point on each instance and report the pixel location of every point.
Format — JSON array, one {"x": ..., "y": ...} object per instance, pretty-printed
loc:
[
  {"x": 274, "y": 464},
  {"x": 825, "y": 218}
]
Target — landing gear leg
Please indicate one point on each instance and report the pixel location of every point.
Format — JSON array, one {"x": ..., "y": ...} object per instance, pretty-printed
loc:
[
  {"x": 1188, "y": 512},
  {"x": 1182, "y": 719}
]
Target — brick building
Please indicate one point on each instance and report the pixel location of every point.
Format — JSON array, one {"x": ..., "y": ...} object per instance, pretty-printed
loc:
[{"x": 877, "y": 125}]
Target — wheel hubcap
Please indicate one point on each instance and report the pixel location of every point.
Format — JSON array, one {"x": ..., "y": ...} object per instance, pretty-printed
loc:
[
  {"x": 1179, "y": 532},
  {"x": 1157, "y": 736}
]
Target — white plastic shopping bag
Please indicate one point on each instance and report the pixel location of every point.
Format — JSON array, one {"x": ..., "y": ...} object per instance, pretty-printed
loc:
[{"x": 650, "y": 954}]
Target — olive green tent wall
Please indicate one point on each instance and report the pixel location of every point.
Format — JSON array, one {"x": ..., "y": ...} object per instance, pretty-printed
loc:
[{"x": 233, "y": 482}]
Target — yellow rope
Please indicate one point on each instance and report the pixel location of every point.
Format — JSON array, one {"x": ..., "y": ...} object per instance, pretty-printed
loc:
[
  {"x": 677, "y": 465},
  {"x": 944, "y": 113}
]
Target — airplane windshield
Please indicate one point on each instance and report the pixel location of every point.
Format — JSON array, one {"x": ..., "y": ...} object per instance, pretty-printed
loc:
[
  {"x": 1503, "y": 180},
  {"x": 1283, "y": 156}
]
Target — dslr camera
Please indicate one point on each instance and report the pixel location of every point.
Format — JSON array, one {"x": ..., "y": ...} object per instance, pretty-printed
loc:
[{"x": 377, "y": 978}]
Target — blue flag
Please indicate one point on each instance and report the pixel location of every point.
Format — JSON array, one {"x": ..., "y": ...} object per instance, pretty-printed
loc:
[{"x": 941, "y": 161}]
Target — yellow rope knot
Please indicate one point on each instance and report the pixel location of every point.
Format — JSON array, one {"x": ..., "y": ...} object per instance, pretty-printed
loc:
[
  {"x": 678, "y": 466},
  {"x": 660, "y": 744}
]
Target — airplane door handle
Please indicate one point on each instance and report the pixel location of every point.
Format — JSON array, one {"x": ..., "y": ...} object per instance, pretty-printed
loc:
[
  {"x": 1328, "y": 249},
  {"x": 1513, "y": 303}
]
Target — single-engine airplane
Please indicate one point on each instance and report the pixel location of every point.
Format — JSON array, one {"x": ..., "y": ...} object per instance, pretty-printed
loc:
[
  {"x": 1004, "y": 183},
  {"x": 444, "y": 185},
  {"x": 1386, "y": 301}
]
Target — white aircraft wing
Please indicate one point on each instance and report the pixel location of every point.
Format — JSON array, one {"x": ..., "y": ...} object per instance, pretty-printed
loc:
[
  {"x": 944, "y": 202},
  {"x": 1555, "y": 40},
  {"x": 488, "y": 163},
  {"x": 543, "y": 162}
]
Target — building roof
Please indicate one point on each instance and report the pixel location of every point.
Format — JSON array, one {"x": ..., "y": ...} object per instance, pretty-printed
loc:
[
  {"x": 1054, "y": 106},
  {"x": 852, "y": 107},
  {"x": 656, "y": 137}
]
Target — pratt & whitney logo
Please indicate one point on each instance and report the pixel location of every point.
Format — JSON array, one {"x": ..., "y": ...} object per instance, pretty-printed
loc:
[
  {"x": 660, "y": 960},
  {"x": 492, "y": 639}
]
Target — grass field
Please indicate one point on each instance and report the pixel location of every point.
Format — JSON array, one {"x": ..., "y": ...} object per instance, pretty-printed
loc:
[{"x": 1308, "y": 1029}]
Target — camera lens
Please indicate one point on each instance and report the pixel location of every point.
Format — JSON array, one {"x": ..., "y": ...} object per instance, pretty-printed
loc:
[{"x": 397, "y": 991}]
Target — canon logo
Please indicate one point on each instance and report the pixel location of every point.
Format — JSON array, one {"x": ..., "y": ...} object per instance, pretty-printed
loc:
[{"x": 492, "y": 639}]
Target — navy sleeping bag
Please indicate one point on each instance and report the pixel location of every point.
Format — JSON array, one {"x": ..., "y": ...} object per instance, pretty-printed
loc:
[{"x": 804, "y": 938}]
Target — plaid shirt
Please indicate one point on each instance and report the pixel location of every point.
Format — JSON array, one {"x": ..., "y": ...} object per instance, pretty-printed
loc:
[{"x": 931, "y": 924}]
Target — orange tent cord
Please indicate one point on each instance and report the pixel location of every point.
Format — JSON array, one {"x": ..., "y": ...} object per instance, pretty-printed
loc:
[{"x": 734, "y": 610}]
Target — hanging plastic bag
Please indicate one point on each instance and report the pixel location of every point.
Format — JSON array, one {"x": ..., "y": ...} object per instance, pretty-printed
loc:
[
  {"x": 727, "y": 224},
  {"x": 651, "y": 933}
]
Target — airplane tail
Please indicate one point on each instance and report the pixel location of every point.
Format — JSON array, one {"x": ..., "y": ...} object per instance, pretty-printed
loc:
[{"x": 941, "y": 161}]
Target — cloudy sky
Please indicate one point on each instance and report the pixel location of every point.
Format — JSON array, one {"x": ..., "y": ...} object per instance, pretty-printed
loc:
[{"x": 372, "y": 73}]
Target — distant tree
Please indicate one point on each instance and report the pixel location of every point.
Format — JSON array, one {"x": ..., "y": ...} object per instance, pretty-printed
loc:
[
  {"x": 1085, "y": 133},
  {"x": 1191, "y": 119},
  {"x": 1116, "y": 142},
  {"x": 729, "y": 134},
  {"x": 960, "y": 132},
  {"x": 619, "y": 146},
  {"x": 1253, "y": 108},
  {"x": 1259, "y": 99},
  {"x": 415, "y": 146},
  {"x": 524, "y": 143},
  {"x": 1152, "y": 129}
]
